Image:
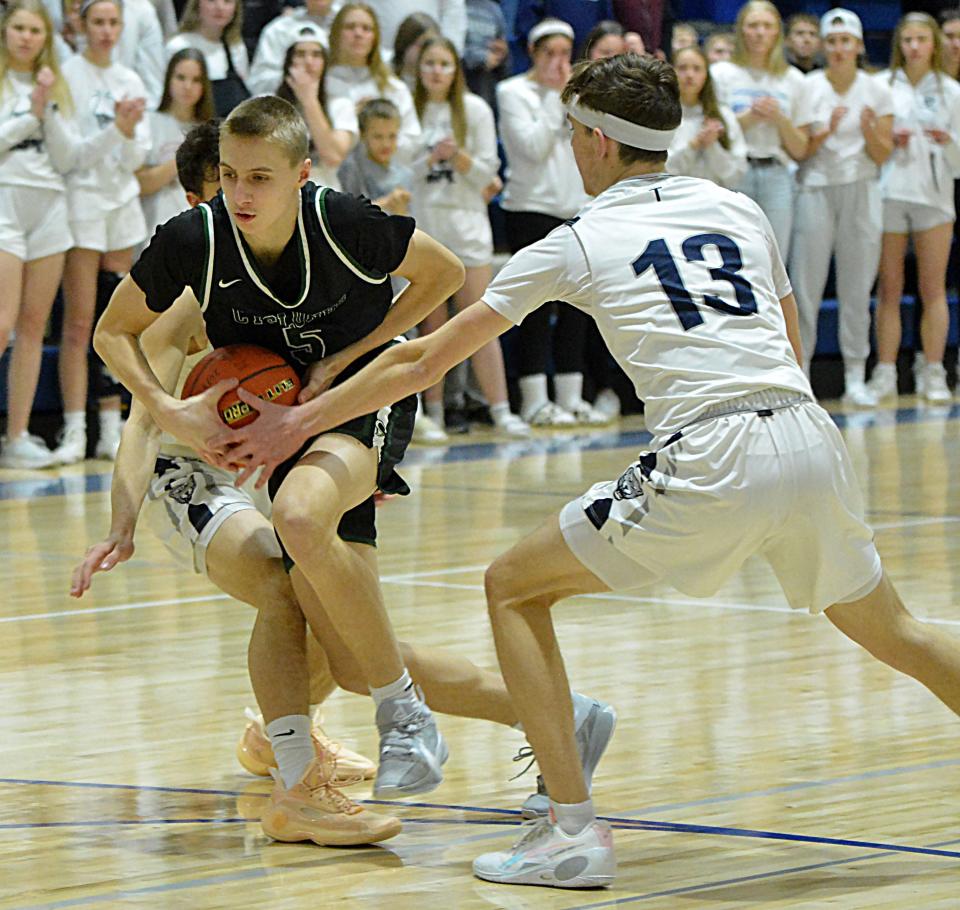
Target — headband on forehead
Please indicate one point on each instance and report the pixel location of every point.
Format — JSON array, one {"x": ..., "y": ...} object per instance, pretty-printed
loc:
[
  {"x": 550, "y": 27},
  {"x": 625, "y": 131},
  {"x": 85, "y": 6}
]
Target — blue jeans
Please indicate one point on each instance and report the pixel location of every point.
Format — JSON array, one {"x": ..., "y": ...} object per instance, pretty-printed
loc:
[{"x": 771, "y": 186}]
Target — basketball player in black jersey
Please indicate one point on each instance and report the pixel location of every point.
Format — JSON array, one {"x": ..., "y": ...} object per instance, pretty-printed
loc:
[{"x": 279, "y": 262}]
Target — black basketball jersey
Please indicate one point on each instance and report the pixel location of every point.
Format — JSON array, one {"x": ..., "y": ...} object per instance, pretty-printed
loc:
[{"x": 329, "y": 288}]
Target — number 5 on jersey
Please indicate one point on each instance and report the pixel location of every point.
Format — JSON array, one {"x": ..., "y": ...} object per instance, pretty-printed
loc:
[{"x": 657, "y": 256}]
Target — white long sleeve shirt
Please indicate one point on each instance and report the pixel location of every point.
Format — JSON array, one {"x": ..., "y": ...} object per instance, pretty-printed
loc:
[
  {"x": 441, "y": 185},
  {"x": 357, "y": 84},
  {"x": 723, "y": 166},
  {"x": 102, "y": 178},
  {"x": 141, "y": 47},
  {"x": 166, "y": 135},
  {"x": 32, "y": 153},
  {"x": 542, "y": 173},
  {"x": 450, "y": 14},
  {"x": 923, "y": 171}
]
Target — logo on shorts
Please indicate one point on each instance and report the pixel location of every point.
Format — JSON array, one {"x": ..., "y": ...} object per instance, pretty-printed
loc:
[
  {"x": 182, "y": 490},
  {"x": 629, "y": 485}
]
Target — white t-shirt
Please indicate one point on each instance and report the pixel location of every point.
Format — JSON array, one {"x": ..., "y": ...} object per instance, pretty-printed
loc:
[
  {"x": 103, "y": 178},
  {"x": 739, "y": 86},
  {"x": 450, "y": 15},
  {"x": 166, "y": 133},
  {"x": 276, "y": 37},
  {"x": 723, "y": 166},
  {"x": 843, "y": 156},
  {"x": 213, "y": 53},
  {"x": 643, "y": 259},
  {"x": 342, "y": 115},
  {"x": 141, "y": 47},
  {"x": 542, "y": 173},
  {"x": 357, "y": 84},
  {"x": 32, "y": 154},
  {"x": 922, "y": 171},
  {"x": 442, "y": 186}
]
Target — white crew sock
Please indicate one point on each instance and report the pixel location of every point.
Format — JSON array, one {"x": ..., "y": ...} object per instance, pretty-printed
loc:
[
  {"x": 533, "y": 394},
  {"x": 573, "y": 817},
  {"x": 500, "y": 412},
  {"x": 569, "y": 388},
  {"x": 854, "y": 370},
  {"x": 434, "y": 411},
  {"x": 110, "y": 421},
  {"x": 74, "y": 420},
  {"x": 292, "y": 746},
  {"x": 399, "y": 688}
]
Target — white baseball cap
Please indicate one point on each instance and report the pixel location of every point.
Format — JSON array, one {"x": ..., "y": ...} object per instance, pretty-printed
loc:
[{"x": 841, "y": 22}]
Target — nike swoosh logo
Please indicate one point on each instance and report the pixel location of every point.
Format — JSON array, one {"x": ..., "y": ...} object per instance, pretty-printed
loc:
[
  {"x": 226, "y": 284},
  {"x": 289, "y": 732}
]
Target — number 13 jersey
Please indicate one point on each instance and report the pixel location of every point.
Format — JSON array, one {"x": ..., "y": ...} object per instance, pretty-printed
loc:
[
  {"x": 329, "y": 287},
  {"x": 684, "y": 280}
]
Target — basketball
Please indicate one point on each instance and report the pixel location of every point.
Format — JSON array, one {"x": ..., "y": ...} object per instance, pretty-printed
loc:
[{"x": 261, "y": 372}]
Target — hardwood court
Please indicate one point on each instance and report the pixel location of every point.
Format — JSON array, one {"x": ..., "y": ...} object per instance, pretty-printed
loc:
[{"x": 761, "y": 760}]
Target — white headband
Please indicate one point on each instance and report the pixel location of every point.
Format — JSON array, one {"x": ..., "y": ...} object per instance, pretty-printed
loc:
[
  {"x": 550, "y": 27},
  {"x": 625, "y": 131}
]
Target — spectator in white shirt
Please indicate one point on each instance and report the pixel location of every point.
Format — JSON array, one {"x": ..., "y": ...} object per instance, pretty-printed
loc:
[
  {"x": 838, "y": 210},
  {"x": 450, "y": 14},
  {"x": 34, "y": 231},
  {"x": 215, "y": 27},
  {"x": 456, "y": 162},
  {"x": 543, "y": 189},
  {"x": 357, "y": 71},
  {"x": 332, "y": 122},
  {"x": 141, "y": 46},
  {"x": 412, "y": 34},
  {"x": 266, "y": 73},
  {"x": 187, "y": 100},
  {"x": 106, "y": 219},
  {"x": 917, "y": 189},
  {"x": 767, "y": 96}
]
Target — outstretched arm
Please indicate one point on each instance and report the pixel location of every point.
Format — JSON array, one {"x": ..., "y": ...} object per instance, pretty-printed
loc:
[{"x": 399, "y": 371}]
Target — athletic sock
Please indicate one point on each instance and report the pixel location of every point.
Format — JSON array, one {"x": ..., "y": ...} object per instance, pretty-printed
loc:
[
  {"x": 533, "y": 394},
  {"x": 109, "y": 421},
  {"x": 500, "y": 412},
  {"x": 854, "y": 370},
  {"x": 569, "y": 388},
  {"x": 399, "y": 688},
  {"x": 292, "y": 746},
  {"x": 434, "y": 411},
  {"x": 573, "y": 817},
  {"x": 74, "y": 420}
]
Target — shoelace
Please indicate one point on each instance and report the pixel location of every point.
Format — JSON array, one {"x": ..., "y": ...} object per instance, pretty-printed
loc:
[
  {"x": 325, "y": 788},
  {"x": 399, "y": 738},
  {"x": 537, "y": 830},
  {"x": 523, "y": 754}
]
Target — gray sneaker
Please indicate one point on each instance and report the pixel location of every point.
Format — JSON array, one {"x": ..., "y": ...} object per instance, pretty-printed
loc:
[
  {"x": 411, "y": 749},
  {"x": 594, "y": 722}
]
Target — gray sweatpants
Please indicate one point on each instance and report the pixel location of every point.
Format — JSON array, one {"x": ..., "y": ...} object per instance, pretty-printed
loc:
[{"x": 845, "y": 222}]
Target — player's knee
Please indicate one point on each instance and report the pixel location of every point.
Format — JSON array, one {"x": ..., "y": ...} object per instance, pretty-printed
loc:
[
  {"x": 77, "y": 331},
  {"x": 305, "y": 531},
  {"x": 502, "y": 585}
]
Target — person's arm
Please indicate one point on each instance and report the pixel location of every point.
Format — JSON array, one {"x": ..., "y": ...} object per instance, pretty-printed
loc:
[
  {"x": 396, "y": 373},
  {"x": 154, "y": 177},
  {"x": 116, "y": 341},
  {"x": 878, "y": 137},
  {"x": 792, "y": 318},
  {"x": 729, "y": 165},
  {"x": 139, "y": 446},
  {"x": 480, "y": 166},
  {"x": 794, "y": 138},
  {"x": 528, "y": 131},
  {"x": 332, "y": 145},
  {"x": 434, "y": 274}
]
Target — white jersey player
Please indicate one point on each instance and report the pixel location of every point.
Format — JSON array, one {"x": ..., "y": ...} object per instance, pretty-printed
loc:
[{"x": 686, "y": 284}]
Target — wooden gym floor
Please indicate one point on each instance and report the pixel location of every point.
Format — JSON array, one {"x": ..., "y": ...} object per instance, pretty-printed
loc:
[{"x": 761, "y": 760}]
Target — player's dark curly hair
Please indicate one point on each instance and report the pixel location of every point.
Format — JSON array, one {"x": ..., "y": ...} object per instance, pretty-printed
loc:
[
  {"x": 198, "y": 157},
  {"x": 643, "y": 90}
]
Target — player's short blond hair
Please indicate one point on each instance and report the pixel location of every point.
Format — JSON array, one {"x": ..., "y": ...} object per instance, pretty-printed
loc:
[{"x": 272, "y": 119}]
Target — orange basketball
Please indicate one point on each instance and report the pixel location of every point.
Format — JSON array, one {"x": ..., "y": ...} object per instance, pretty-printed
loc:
[{"x": 261, "y": 372}]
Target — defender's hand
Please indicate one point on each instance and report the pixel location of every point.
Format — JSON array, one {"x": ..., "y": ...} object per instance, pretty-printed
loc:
[{"x": 101, "y": 557}]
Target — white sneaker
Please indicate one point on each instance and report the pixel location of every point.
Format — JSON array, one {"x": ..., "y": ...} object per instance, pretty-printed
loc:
[
  {"x": 935, "y": 388},
  {"x": 883, "y": 382},
  {"x": 514, "y": 426},
  {"x": 412, "y": 751},
  {"x": 72, "y": 447},
  {"x": 594, "y": 723},
  {"x": 919, "y": 373},
  {"x": 550, "y": 415},
  {"x": 428, "y": 432},
  {"x": 26, "y": 453},
  {"x": 857, "y": 394},
  {"x": 607, "y": 402},
  {"x": 108, "y": 444},
  {"x": 546, "y": 856},
  {"x": 587, "y": 415}
]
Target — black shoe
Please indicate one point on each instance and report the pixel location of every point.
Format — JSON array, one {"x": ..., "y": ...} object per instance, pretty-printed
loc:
[{"x": 455, "y": 422}]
